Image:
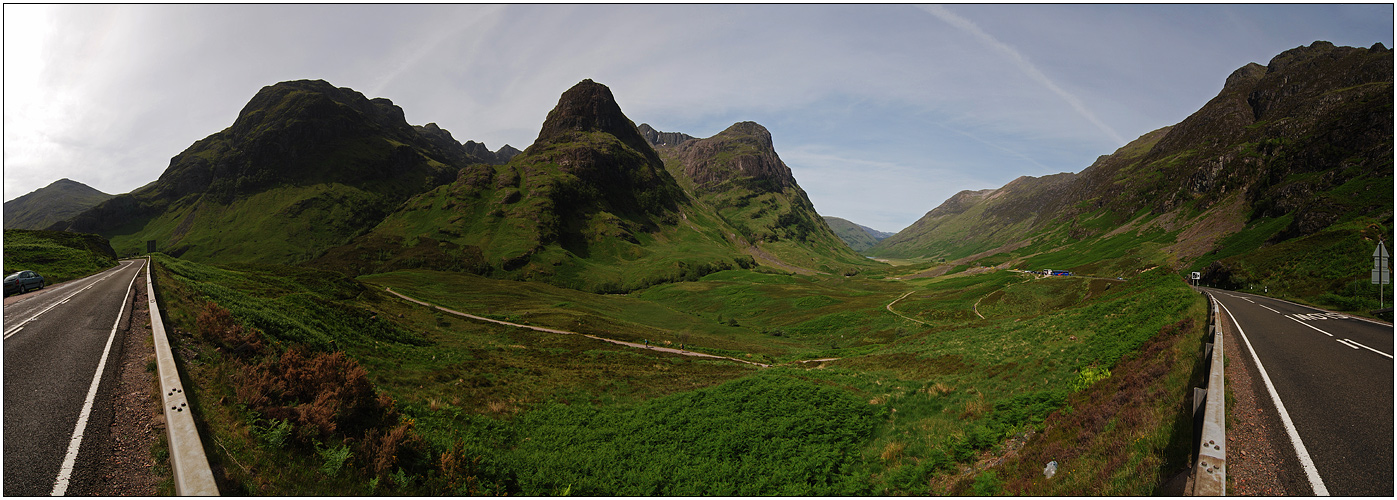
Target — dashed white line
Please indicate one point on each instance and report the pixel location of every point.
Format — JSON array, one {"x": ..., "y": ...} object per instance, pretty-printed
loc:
[
  {"x": 1316, "y": 483},
  {"x": 1272, "y": 310}
]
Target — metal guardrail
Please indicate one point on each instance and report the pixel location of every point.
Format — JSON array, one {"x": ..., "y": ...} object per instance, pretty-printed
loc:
[
  {"x": 1210, "y": 466},
  {"x": 187, "y": 460}
]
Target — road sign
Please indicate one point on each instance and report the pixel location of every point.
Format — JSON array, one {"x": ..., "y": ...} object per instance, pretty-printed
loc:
[
  {"x": 1381, "y": 269},
  {"x": 1197, "y": 275}
]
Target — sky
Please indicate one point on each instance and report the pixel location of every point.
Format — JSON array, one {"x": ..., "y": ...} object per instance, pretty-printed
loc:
[{"x": 882, "y": 112}]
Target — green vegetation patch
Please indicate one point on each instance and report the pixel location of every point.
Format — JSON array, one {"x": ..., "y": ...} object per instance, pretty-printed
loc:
[
  {"x": 56, "y": 255},
  {"x": 760, "y": 435}
]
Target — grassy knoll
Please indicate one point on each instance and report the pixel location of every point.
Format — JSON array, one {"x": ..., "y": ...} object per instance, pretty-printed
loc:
[
  {"x": 56, "y": 255},
  {"x": 908, "y": 408}
]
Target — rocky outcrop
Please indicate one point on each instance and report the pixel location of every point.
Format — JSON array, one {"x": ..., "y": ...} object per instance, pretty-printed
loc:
[
  {"x": 743, "y": 151},
  {"x": 662, "y": 139}
]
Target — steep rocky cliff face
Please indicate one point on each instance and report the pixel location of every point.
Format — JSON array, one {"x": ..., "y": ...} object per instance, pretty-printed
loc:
[
  {"x": 738, "y": 173},
  {"x": 662, "y": 139},
  {"x": 305, "y": 165},
  {"x": 1307, "y": 137}
]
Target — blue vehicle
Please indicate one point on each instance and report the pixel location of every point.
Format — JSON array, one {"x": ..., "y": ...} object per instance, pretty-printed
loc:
[{"x": 1058, "y": 273}]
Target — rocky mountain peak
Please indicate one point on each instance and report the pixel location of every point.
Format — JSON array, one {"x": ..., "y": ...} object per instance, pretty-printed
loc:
[
  {"x": 589, "y": 107},
  {"x": 742, "y": 151}
]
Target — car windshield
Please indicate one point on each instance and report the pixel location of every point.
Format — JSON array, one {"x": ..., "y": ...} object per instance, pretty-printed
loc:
[{"x": 12, "y": 276}]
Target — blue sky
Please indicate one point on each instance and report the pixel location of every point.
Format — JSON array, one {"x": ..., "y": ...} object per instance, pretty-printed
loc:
[{"x": 881, "y": 111}]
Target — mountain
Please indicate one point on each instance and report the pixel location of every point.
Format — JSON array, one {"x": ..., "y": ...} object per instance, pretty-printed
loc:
[
  {"x": 1293, "y": 155},
  {"x": 859, "y": 237},
  {"x": 738, "y": 174},
  {"x": 305, "y": 166},
  {"x": 55, "y": 202},
  {"x": 589, "y": 205},
  {"x": 662, "y": 139}
]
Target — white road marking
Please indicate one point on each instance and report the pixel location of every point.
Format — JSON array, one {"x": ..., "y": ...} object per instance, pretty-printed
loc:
[
  {"x": 1272, "y": 310},
  {"x": 65, "y": 471},
  {"x": 9, "y": 333},
  {"x": 1311, "y": 326},
  {"x": 1316, "y": 483},
  {"x": 1389, "y": 356},
  {"x": 1346, "y": 343}
]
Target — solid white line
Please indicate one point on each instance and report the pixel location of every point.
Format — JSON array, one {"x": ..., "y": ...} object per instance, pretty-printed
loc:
[
  {"x": 1311, "y": 326},
  {"x": 1346, "y": 343},
  {"x": 60, "y": 484},
  {"x": 1316, "y": 483},
  {"x": 9, "y": 333}
]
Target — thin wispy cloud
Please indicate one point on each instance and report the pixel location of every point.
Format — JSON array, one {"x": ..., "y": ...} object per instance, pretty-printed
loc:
[{"x": 1023, "y": 64}]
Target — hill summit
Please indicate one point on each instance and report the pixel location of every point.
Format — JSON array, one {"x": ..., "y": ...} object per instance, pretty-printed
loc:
[
  {"x": 305, "y": 166},
  {"x": 739, "y": 175},
  {"x": 50, "y": 204}
]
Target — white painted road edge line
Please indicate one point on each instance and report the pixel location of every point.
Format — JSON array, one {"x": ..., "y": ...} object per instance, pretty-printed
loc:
[
  {"x": 9, "y": 333},
  {"x": 65, "y": 471},
  {"x": 1316, "y": 483}
]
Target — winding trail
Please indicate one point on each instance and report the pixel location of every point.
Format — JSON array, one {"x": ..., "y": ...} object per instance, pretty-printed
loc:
[
  {"x": 603, "y": 339},
  {"x": 904, "y": 316}
]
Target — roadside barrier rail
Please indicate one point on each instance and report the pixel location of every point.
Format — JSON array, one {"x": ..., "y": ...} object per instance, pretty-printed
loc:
[
  {"x": 187, "y": 460},
  {"x": 1210, "y": 466}
]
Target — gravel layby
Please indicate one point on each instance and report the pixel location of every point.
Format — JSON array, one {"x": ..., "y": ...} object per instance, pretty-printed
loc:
[
  {"x": 1260, "y": 458},
  {"x": 137, "y": 422}
]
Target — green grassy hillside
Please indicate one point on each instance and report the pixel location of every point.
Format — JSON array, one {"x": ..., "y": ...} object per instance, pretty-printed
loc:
[
  {"x": 588, "y": 206},
  {"x": 1264, "y": 180},
  {"x": 55, "y": 255},
  {"x": 305, "y": 167}
]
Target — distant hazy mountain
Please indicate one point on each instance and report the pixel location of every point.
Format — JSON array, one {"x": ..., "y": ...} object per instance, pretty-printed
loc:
[
  {"x": 859, "y": 237},
  {"x": 50, "y": 204},
  {"x": 1288, "y": 168}
]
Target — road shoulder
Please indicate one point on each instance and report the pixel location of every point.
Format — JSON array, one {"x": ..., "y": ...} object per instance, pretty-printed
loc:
[{"x": 1259, "y": 462}]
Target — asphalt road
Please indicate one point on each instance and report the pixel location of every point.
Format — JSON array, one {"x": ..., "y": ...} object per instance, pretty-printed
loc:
[
  {"x": 54, "y": 343},
  {"x": 1333, "y": 375}
]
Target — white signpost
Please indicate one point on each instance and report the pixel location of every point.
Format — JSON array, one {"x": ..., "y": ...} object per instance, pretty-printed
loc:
[
  {"x": 1196, "y": 276},
  {"x": 1382, "y": 275}
]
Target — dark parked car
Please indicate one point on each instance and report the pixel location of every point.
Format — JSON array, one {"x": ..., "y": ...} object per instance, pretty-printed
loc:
[{"x": 23, "y": 281}]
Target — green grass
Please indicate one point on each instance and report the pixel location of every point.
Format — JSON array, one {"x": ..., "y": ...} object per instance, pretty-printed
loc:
[
  {"x": 57, "y": 256},
  {"x": 536, "y": 413}
]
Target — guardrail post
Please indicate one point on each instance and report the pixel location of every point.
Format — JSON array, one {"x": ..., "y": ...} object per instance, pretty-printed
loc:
[{"x": 188, "y": 463}]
